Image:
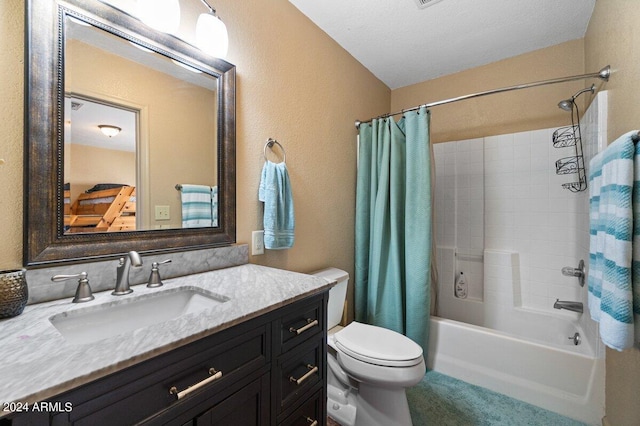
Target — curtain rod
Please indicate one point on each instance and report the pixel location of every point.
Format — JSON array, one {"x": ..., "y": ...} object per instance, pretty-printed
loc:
[{"x": 603, "y": 74}]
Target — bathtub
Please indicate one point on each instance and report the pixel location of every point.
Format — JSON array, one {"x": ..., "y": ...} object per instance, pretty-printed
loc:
[{"x": 556, "y": 375}]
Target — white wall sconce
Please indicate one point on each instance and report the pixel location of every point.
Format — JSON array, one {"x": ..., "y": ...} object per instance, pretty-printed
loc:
[
  {"x": 164, "y": 15},
  {"x": 211, "y": 33},
  {"x": 109, "y": 130}
]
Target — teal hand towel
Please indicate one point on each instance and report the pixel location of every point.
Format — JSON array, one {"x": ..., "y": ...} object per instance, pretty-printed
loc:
[{"x": 279, "y": 219}]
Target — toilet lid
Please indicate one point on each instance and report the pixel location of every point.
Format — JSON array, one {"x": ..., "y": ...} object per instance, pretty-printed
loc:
[{"x": 377, "y": 345}]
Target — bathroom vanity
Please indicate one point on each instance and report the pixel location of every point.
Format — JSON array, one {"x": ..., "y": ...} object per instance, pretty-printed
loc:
[{"x": 257, "y": 357}]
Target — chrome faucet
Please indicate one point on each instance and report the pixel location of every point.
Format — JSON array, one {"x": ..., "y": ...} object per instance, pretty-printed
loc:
[
  {"x": 122, "y": 278},
  {"x": 569, "y": 306}
]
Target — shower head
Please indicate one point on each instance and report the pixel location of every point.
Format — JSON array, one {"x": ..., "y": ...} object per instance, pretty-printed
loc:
[{"x": 567, "y": 104}]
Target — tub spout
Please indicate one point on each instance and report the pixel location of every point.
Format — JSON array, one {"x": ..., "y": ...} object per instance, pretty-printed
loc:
[{"x": 570, "y": 306}]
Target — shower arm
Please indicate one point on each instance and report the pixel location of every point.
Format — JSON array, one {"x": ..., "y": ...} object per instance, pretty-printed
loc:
[{"x": 603, "y": 74}]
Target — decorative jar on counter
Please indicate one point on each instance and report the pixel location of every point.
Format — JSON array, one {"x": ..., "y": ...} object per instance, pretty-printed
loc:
[{"x": 13, "y": 292}]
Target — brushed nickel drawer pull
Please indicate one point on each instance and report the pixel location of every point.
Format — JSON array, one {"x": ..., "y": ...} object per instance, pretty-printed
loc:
[
  {"x": 310, "y": 323},
  {"x": 215, "y": 375},
  {"x": 312, "y": 422},
  {"x": 312, "y": 370}
]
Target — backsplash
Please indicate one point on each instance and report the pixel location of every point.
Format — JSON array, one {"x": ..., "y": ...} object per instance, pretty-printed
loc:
[{"x": 102, "y": 274}]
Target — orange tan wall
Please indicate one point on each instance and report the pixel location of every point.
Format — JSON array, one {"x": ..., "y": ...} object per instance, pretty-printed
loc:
[
  {"x": 91, "y": 165},
  {"x": 297, "y": 85},
  {"x": 294, "y": 84},
  {"x": 613, "y": 37},
  {"x": 509, "y": 112},
  {"x": 11, "y": 129}
]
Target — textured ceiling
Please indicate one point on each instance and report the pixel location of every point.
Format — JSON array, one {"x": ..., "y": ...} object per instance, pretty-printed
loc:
[{"x": 402, "y": 44}]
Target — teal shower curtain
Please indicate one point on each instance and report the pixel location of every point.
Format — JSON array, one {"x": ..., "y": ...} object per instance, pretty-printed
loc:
[{"x": 393, "y": 225}]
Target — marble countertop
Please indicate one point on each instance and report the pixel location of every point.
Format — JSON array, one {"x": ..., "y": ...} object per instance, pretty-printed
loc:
[{"x": 38, "y": 363}]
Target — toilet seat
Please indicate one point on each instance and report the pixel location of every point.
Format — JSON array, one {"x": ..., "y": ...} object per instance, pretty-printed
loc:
[{"x": 378, "y": 346}]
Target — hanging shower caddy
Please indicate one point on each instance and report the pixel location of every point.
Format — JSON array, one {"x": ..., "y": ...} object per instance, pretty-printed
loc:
[{"x": 565, "y": 137}]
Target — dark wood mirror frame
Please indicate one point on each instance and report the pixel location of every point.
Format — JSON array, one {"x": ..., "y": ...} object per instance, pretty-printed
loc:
[{"x": 44, "y": 241}]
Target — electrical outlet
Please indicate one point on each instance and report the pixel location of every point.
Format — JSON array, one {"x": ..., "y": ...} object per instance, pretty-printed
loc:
[
  {"x": 162, "y": 213},
  {"x": 257, "y": 243}
]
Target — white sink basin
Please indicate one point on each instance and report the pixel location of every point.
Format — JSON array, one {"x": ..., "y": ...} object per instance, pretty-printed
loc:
[{"x": 111, "y": 319}]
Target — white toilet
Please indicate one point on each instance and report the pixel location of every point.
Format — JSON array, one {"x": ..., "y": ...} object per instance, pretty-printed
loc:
[{"x": 369, "y": 367}]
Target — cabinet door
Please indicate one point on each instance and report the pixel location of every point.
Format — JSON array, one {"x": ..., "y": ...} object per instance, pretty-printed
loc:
[
  {"x": 247, "y": 407},
  {"x": 298, "y": 371},
  {"x": 300, "y": 324},
  {"x": 310, "y": 413}
]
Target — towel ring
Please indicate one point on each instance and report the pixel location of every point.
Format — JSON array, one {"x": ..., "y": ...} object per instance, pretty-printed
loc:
[{"x": 269, "y": 144}]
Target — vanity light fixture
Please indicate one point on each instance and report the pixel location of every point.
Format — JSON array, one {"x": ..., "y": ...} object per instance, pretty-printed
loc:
[
  {"x": 211, "y": 33},
  {"x": 109, "y": 130},
  {"x": 161, "y": 15},
  {"x": 164, "y": 15}
]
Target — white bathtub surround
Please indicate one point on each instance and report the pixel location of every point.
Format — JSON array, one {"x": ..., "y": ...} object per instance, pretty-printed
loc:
[
  {"x": 521, "y": 206},
  {"x": 555, "y": 377},
  {"x": 532, "y": 228},
  {"x": 523, "y": 210}
]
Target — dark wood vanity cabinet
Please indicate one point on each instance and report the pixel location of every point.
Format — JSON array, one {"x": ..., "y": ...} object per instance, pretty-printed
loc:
[{"x": 270, "y": 370}]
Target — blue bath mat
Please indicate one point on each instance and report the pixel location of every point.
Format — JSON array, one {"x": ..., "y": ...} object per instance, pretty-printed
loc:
[{"x": 444, "y": 401}]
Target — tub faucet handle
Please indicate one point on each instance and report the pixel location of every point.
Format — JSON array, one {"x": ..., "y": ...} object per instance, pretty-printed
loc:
[{"x": 575, "y": 272}]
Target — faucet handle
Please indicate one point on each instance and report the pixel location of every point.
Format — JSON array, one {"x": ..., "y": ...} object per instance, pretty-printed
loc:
[
  {"x": 83, "y": 292},
  {"x": 575, "y": 272},
  {"x": 154, "y": 278}
]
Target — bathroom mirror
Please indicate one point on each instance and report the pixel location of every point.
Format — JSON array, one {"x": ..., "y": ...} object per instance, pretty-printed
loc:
[{"x": 177, "y": 107}]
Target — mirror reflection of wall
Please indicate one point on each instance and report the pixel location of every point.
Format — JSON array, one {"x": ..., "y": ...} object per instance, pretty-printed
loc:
[
  {"x": 177, "y": 114},
  {"x": 100, "y": 154},
  {"x": 93, "y": 157}
]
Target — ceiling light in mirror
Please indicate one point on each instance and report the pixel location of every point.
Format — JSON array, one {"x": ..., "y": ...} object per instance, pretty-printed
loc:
[
  {"x": 161, "y": 15},
  {"x": 109, "y": 130}
]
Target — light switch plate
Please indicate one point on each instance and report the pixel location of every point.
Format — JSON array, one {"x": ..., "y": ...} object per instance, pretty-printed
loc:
[{"x": 162, "y": 213}]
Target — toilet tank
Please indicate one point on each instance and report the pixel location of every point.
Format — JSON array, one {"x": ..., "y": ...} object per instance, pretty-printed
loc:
[{"x": 337, "y": 294}]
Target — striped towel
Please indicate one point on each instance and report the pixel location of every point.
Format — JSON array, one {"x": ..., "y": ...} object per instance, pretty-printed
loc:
[
  {"x": 199, "y": 206},
  {"x": 614, "y": 261}
]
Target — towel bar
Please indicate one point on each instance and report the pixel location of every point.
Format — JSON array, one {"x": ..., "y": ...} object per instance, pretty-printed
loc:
[{"x": 269, "y": 144}]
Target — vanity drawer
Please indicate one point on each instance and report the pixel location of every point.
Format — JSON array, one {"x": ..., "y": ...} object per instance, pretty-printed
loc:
[
  {"x": 125, "y": 398},
  {"x": 298, "y": 371},
  {"x": 310, "y": 413},
  {"x": 301, "y": 325}
]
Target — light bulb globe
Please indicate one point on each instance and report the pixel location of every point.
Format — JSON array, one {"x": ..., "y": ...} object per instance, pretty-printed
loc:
[{"x": 212, "y": 36}]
